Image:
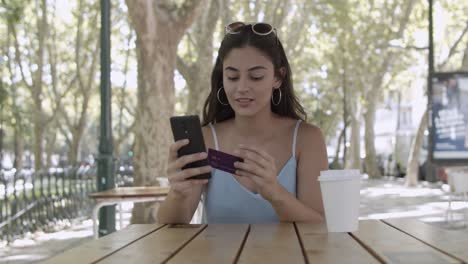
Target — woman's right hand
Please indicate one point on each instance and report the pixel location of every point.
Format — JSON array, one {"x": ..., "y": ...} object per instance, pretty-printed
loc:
[{"x": 177, "y": 177}]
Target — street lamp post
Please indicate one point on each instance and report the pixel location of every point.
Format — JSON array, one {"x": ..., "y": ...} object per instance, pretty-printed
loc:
[
  {"x": 429, "y": 80},
  {"x": 105, "y": 177}
]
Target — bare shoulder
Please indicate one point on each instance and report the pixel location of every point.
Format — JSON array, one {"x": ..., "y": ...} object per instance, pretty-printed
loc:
[
  {"x": 310, "y": 129},
  {"x": 309, "y": 134},
  {"x": 310, "y": 140}
]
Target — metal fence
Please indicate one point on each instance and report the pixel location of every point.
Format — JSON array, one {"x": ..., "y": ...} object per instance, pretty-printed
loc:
[{"x": 33, "y": 201}]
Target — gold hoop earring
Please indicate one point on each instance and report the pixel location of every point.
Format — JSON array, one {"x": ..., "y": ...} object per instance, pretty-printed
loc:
[
  {"x": 219, "y": 100},
  {"x": 279, "y": 100}
]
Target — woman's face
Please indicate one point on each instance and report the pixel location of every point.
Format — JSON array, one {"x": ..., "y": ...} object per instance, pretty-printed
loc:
[{"x": 248, "y": 80}]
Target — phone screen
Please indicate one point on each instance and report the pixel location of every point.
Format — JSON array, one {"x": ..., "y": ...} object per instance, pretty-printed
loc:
[{"x": 189, "y": 127}]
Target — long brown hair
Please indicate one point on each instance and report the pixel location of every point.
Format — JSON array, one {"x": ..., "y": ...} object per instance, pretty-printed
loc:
[{"x": 269, "y": 45}]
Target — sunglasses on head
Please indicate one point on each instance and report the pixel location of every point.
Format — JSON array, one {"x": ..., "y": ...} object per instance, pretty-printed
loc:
[{"x": 261, "y": 29}]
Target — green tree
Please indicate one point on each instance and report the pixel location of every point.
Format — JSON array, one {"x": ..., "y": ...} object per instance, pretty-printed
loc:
[{"x": 363, "y": 54}]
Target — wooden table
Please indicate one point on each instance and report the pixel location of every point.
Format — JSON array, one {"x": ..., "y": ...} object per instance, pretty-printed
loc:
[
  {"x": 125, "y": 194},
  {"x": 392, "y": 241}
]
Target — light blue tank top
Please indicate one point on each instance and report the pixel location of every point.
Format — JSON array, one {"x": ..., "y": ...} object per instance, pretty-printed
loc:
[{"x": 225, "y": 200}]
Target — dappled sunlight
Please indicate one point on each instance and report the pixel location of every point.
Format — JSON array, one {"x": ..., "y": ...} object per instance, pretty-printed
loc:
[
  {"x": 23, "y": 243},
  {"x": 428, "y": 209},
  {"x": 432, "y": 219},
  {"x": 40, "y": 245},
  {"x": 22, "y": 257},
  {"x": 427, "y": 202},
  {"x": 400, "y": 191},
  {"x": 404, "y": 214},
  {"x": 62, "y": 235}
]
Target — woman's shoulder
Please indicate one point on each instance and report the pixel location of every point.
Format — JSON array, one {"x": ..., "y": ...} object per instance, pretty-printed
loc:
[
  {"x": 310, "y": 138},
  {"x": 309, "y": 130},
  {"x": 217, "y": 126},
  {"x": 305, "y": 129}
]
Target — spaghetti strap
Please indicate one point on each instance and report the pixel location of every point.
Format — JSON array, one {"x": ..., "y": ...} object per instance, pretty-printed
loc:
[
  {"x": 295, "y": 138},
  {"x": 214, "y": 136}
]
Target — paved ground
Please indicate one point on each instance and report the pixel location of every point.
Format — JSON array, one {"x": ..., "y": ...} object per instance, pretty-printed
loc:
[
  {"x": 428, "y": 202},
  {"x": 380, "y": 199}
]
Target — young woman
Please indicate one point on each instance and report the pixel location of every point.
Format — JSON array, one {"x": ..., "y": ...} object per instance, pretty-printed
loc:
[{"x": 251, "y": 112}]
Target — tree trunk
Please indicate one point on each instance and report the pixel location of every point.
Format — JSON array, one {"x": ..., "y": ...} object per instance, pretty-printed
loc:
[
  {"x": 78, "y": 129},
  {"x": 18, "y": 136},
  {"x": 336, "y": 160},
  {"x": 39, "y": 120},
  {"x": 51, "y": 139},
  {"x": 464, "y": 66},
  {"x": 121, "y": 133},
  {"x": 345, "y": 105},
  {"x": 354, "y": 153},
  {"x": 197, "y": 74},
  {"x": 372, "y": 168},
  {"x": 159, "y": 29},
  {"x": 74, "y": 147},
  {"x": 18, "y": 147},
  {"x": 38, "y": 143},
  {"x": 412, "y": 169}
]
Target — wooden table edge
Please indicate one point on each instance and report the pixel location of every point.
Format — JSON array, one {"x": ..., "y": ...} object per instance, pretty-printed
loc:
[{"x": 424, "y": 242}]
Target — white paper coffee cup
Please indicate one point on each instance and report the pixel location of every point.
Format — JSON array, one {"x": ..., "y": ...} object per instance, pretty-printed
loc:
[{"x": 340, "y": 194}]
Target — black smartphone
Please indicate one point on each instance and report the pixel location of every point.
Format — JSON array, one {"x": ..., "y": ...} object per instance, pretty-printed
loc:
[{"x": 189, "y": 127}]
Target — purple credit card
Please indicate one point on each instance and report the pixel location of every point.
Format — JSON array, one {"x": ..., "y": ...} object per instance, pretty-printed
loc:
[{"x": 222, "y": 161}]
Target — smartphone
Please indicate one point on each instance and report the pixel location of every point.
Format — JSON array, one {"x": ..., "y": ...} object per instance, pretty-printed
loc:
[{"x": 189, "y": 127}]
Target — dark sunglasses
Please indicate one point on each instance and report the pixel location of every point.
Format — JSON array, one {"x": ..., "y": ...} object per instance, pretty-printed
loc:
[{"x": 261, "y": 29}]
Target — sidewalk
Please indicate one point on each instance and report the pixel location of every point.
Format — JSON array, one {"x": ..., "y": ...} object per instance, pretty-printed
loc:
[
  {"x": 40, "y": 246},
  {"x": 380, "y": 199},
  {"x": 389, "y": 198}
]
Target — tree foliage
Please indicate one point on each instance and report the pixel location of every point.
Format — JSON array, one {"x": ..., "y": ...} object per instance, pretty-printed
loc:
[{"x": 347, "y": 57}]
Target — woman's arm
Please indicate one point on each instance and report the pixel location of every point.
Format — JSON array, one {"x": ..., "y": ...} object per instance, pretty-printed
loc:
[
  {"x": 312, "y": 159},
  {"x": 184, "y": 195},
  {"x": 178, "y": 208}
]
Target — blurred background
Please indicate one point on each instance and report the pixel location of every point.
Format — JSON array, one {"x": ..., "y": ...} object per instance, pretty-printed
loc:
[{"x": 360, "y": 68}]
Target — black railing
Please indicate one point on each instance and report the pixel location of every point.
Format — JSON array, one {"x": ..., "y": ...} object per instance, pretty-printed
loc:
[{"x": 34, "y": 201}]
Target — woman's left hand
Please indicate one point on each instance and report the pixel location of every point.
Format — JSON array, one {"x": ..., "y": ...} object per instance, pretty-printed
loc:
[{"x": 259, "y": 166}]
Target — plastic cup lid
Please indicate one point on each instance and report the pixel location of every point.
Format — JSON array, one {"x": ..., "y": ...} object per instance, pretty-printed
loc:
[{"x": 339, "y": 175}]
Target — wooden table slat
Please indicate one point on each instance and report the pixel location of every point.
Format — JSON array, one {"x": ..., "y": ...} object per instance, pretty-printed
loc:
[
  {"x": 453, "y": 242},
  {"x": 96, "y": 249},
  {"x": 323, "y": 247},
  {"x": 392, "y": 241},
  {"x": 215, "y": 244},
  {"x": 156, "y": 247},
  {"x": 272, "y": 243},
  {"x": 394, "y": 246}
]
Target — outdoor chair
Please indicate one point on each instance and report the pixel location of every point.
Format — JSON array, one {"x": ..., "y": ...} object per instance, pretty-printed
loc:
[{"x": 458, "y": 182}]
